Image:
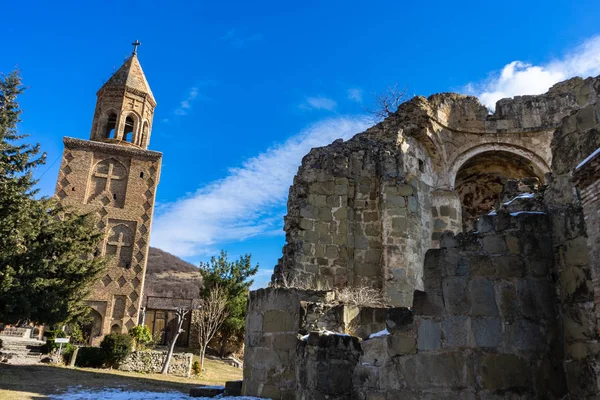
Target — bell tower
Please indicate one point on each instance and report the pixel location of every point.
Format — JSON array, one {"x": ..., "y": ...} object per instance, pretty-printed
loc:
[
  {"x": 125, "y": 106},
  {"x": 114, "y": 176}
]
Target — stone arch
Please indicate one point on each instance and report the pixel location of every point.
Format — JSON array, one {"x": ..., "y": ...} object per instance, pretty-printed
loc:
[
  {"x": 94, "y": 327},
  {"x": 480, "y": 179},
  {"x": 540, "y": 165},
  {"x": 131, "y": 126},
  {"x": 108, "y": 124}
]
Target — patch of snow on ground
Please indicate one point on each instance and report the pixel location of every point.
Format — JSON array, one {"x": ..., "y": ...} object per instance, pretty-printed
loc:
[
  {"x": 378, "y": 334},
  {"x": 588, "y": 158},
  {"x": 521, "y": 196},
  {"x": 121, "y": 394}
]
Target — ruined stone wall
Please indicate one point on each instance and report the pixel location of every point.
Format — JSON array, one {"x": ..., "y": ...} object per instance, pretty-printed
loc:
[
  {"x": 486, "y": 326},
  {"x": 577, "y": 138},
  {"x": 587, "y": 177},
  {"x": 365, "y": 211}
]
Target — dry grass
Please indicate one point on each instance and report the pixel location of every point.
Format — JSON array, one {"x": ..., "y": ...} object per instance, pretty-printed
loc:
[{"x": 38, "y": 381}]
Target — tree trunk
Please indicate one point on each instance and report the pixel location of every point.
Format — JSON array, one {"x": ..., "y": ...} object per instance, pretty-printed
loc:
[
  {"x": 180, "y": 317},
  {"x": 223, "y": 346},
  {"x": 165, "y": 368},
  {"x": 202, "y": 353}
]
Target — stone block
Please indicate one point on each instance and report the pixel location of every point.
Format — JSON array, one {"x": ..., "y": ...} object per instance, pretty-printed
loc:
[
  {"x": 332, "y": 251},
  {"x": 575, "y": 252},
  {"x": 413, "y": 205},
  {"x": 482, "y": 266},
  {"x": 375, "y": 351},
  {"x": 285, "y": 342},
  {"x": 485, "y": 224},
  {"x": 456, "y": 332},
  {"x": 509, "y": 266},
  {"x": 487, "y": 332},
  {"x": 400, "y": 345},
  {"x": 456, "y": 298},
  {"x": 429, "y": 335},
  {"x": 367, "y": 269},
  {"x": 278, "y": 321},
  {"x": 482, "y": 298},
  {"x": 494, "y": 245},
  {"x": 398, "y": 319},
  {"x": 400, "y": 224},
  {"x": 442, "y": 370},
  {"x": 504, "y": 371},
  {"x": 404, "y": 190},
  {"x": 429, "y": 303},
  {"x": 395, "y": 201},
  {"x": 506, "y": 298},
  {"x": 513, "y": 244}
]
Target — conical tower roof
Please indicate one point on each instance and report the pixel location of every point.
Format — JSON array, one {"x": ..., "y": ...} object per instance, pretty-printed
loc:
[{"x": 130, "y": 75}]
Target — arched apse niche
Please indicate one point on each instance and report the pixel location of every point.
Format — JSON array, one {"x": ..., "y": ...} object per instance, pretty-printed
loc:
[
  {"x": 480, "y": 179},
  {"x": 94, "y": 326}
]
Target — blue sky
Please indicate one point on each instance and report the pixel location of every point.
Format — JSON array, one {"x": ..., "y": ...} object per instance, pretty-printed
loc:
[{"x": 245, "y": 89}]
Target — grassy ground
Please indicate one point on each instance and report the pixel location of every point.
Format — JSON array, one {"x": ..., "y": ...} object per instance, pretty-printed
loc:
[{"x": 37, "y": 381}]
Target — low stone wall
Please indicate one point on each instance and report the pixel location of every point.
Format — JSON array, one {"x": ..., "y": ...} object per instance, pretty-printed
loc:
[{"x": 152, "y": 362}]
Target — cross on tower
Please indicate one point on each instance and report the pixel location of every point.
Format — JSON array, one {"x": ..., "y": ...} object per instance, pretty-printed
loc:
[
  {"x": 135, "y": 45},
  {"x": 108, "y": 176},
  {"x": 119, "y": 244}
]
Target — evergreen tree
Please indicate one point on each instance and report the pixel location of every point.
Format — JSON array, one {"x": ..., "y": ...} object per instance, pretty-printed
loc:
[
  {"x": 233, "y": 278},
  {"x": 46, "y": 265}
]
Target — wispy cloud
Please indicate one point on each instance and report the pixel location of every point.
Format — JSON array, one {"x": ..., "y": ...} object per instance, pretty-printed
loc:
[
  {"x": 356, "y": 95},
  {"x": 186, "y": 104},
  {"x": 192, "y": 94},
  {"x": 250, "y": 201},
  {"x": 319, "y": 103},
  {"x": 520, "y": 78},
  {"x": 238, "y": 39}
]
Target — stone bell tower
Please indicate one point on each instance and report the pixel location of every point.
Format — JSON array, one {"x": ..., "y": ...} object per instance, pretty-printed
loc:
[{"x": 114, "y": 176}]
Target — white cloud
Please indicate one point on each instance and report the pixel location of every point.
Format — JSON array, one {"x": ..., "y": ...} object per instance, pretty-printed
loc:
[
  {"x": 521, "y": 78},
  {"x": 250, "y": 201},
  {"x": 356, "y": 95},
  {"x": 185, "y": 105},
  {"x": 319, "y": 103}
]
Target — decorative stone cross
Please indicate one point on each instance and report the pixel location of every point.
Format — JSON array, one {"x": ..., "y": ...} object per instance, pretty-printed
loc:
[
  {"x": 135, "y": 45},
  {"x": 120, "y": 243},
  {"x": 108, "y": 176}
]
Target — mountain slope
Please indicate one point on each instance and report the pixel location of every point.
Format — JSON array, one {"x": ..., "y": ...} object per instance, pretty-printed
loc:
[{"x": 170, "y": 276}]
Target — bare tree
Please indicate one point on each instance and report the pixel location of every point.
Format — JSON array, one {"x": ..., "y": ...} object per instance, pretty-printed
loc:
[
  {"x": 210, "y": 317},
  {"x": 181, "y": 313},
  {"x": 388, "y": 102}
]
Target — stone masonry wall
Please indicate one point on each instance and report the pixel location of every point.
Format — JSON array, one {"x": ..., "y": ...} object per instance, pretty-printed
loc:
[
  {"x": 485, "y": 327},
  {"x": 365, "y": 211},
  {"x": 152, "y": 362},
  {"x": 577, "y": 138}
]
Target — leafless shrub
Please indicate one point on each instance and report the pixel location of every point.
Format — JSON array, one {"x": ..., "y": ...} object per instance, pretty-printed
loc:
[
  {"x": 361, "y": 295},
  {"x": 387, "y": 103},
  {"x": 290, "y": 280},
  {"x": 211, "y": 313}
]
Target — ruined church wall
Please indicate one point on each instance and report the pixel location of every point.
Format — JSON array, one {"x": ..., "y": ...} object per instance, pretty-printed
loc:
[
  {"x": 577, "y": 138},
  {"x": 359, "y": 215},
  {"x": 485, "y": 326}
]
